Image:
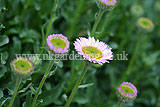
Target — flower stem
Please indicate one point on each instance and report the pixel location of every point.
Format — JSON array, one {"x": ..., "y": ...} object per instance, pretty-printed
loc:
[
  {"x": 120, "y": 104},
  {"x": 42, "y": 82},
  {"x": 76, "y": 85},
  {"x": 76, "y": 18},
  {"x": 28, "y": 4},
  {"x": 74, "y": 75},
  {"x": 100, "y": 14},
  {"x": 128, "y": 70},
  {"x": 18, "y": 82},
  {"x": 49, "y": 25}
]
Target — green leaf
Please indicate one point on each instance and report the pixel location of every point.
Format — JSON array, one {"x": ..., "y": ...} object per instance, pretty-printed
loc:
[
  {"x": 4, "y": 57},
  {"x": 151, "y": 59},
  {"x": 59, "y": 63},
  {"x": 1, "y": 94},
  {"x": 80, "y": 98},
  {"x": 2, "y": 101},
  {"x": 3, "y": 70},
  {"x": 29, "y": 33},
  {"x": 1, "y": 25},
  {"x": 27, "y": 40},
  {"x": 86, "y": 85},
  {"x": 64, "y": 97},
  {"x": 10, "y": 86},
  {"x": 16, "y": 48},
  {"x": 17, "y": 101},
  {"x": 4, "y": 40},
  {"x": 12, "y": 31},
  {"x": 48, "y": 85},
  {"x": 25, "y": 89},
  {"x": 29, "y": 99},
  {"x": 52, "y": 72}
]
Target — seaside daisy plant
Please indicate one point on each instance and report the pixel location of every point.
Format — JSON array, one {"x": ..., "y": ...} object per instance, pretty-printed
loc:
[
  {"x": 127, "y": 92},
  {"x": 22, "y": 67},
  {"x": 145, "y": 24},
  {"x": 58, "y": 43},
  {"x": 93, "y": 50},
  {"x": 106, "y": 4}
]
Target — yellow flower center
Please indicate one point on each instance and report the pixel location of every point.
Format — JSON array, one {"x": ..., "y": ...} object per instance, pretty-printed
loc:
[
  {"x": 127, "y": 89},
  {"x": 23, "y": 65},
  {"x": 58, "y": 43},
  {"x": 92, "y": 52}
]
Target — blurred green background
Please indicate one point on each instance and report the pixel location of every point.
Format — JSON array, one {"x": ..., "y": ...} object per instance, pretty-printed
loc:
[{"x": 21, "y": 27}]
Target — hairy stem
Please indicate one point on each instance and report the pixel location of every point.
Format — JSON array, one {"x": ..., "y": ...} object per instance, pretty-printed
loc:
[
  {"x": 49, "y": 25},
  {"x": 120, "y": 104},
  {"x": 76, "y": 19},
  {"x": 18, "y": 82},
  {"x": 76, "y": 86},
  {"x": 100, "y": 14},
  {"x": 134, "y": 55},
  {"x": 42, "y": 83}
]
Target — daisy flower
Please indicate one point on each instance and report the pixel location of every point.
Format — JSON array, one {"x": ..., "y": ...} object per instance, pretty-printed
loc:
[
  {"x": 58, "y": 43},
  {"x": 106, "y": 4},
  {"x": 22, "y": 66},
  {"x": 127, "y": 91},
  {"x": 93, "y": 50}
]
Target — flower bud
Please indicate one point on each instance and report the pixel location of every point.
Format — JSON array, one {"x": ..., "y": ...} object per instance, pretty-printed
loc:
[
  {"x": 145, "y": 24},
  {"x": 137, "y": 10},
  {"x": 58, "y": 43},
  {"x": 22, "y": 66},
  {"x": 106, "y": 4},
  {"x": 127, "y": 92}
]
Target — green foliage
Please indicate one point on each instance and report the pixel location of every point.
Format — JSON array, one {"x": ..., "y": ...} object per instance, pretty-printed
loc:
[{"x": 23, "y": 24}]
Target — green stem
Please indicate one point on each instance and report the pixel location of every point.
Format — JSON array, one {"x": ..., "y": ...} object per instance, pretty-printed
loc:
[
  {"x": 74, "y": 75},
  {"x": 133, "y": 58},
  {"x": 120, "y": 104},
  {"x": 100, "y": 14},
  {"x": 49, "y": 25},
  {"x": 76, "y": 18},
  {"x": 18, "y": 82},
  {"x": 42, "y": 83},
  {"x": 76, "y": 86},
  {"x": 29, "y": 2},
  {"x": 129, "y": 32}
]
